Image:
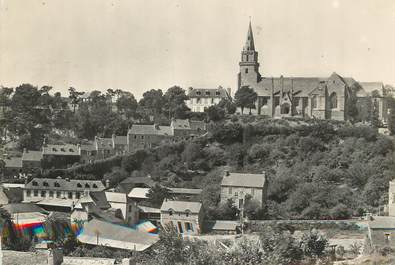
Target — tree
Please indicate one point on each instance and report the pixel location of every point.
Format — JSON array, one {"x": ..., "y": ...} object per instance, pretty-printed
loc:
[
  {"x": 215, "y": 113},
  {"x": 127, "y": 104},
  {"x": 314, "y": 244},
  {"x": 245, "y": 97},
  {"x": 175, "y": 102},
  {"x": 75, "y": 97},
  {"x": 153, "y": 100},
  {"x": 157, "y": 194}
]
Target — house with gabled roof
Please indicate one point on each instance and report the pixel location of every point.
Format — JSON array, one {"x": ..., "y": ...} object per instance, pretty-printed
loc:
[
  {"x": 241, "y": 186},
  {"x": 185, "y": 217},
  {"x": 200, "y": 99}
]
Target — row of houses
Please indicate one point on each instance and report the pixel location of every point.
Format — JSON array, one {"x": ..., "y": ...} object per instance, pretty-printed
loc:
[
  {"x": 97, "y": 211},
  {"x": 138, "y": 137}
]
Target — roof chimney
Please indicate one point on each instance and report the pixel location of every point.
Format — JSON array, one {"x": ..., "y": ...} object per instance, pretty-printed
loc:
[
  {"x": 227, "y": 173},
  {"x": 107, "y": 183}
]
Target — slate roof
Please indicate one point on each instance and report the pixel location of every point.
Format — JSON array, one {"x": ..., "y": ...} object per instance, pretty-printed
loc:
[
  {"x": 63, "y": 150},
  {"x": 115, "y": 236},
  {"x": 181, "y": 206},
  {"x": 142, "y": 129},
  {"x": 185, "y": 191},
  {"x": 147, "y": 209},
  {"x": 67, "y": 185},
  {"x": 244, "y": 180},
  {"x": 13, "y": 208},
  {"x": 13, "y": 162},
  {"x": 32, "y": 155},
  {"x": 116, "y": 197},
  {"x": 100, "y": 199},
  {"x": 139, "y": 193},
  {"x": 208, "y": 93},
  {"x": 382, "y": 222}
]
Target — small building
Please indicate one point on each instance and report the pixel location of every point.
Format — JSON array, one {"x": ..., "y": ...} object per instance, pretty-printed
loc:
[
  {"x": 239, "y": 186},
  {"x": 100, "y": 233},
  {"x": 139, "y": 194},
  {"x": 201, "y": 99},
  {"x": 88, "y": 153},
  {"x": 31, "y": 160},
  {"x": 381, "y": 232},
  {"x": 149, "y": 214},
  {"x": 128, "y": 207},
  {"x": 183, "y": 216},
  {"x": 13, "y": 166},
  {"x": 44, "y": 188}
]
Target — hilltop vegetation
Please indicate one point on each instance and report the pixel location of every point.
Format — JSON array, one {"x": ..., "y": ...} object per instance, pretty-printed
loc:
[{"x": 315, "y": 169}]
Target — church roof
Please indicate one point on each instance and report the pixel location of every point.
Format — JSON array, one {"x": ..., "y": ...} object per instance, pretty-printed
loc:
[{"x": 249, "y": 45}]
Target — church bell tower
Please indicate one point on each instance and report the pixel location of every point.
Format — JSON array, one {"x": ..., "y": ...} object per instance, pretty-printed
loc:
[{"x": 249, "y": 66}]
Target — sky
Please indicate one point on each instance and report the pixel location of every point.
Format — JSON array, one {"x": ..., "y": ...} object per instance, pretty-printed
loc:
[{"x": 137, "y": 45}]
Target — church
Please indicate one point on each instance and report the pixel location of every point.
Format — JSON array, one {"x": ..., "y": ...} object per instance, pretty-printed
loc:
[{"x": 307, "y": 97}]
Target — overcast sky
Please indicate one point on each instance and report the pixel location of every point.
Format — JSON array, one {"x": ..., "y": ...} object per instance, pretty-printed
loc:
[{"x": 139, "y": 45}]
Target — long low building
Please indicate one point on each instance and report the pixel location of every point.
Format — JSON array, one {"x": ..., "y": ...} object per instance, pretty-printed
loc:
[{"x": 96, "y": 232}]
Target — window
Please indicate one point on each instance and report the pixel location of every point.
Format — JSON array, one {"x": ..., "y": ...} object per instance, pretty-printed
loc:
[
  {"x": 35, "y": 193},
  {"x": 79, "y": 185},
  {"x": 70, "y": 195},
  {"x": 230, "y": 190},
  {"x": 87, "y": 185},
  {"x": 58, "y": 194},
  {"x": 62, "y": 149},
  {"x": 142, "y": 136},
  {"x": 207, "y": 93},
  {"x": 285, "y": 108},
  {"x": 170, "y": 212},
  {"x": 94, "y": 186},
  {"x": 71, "y": 150},
  {"x": 57, "y": 185},
  {"x": 43, "y": 193},
  {"x": 51, "y": 194},
  {"x": 28, "y": 193},
  {"x": 54, "y": 149},
  {"x": 333, "y": 101},
  {"x": 45, "y": 184},
  {"x": 217, "y": 93},
  {"x": 236, "y": 194},
  {"x": 247, "y": 57},
  {"x": 314, "y": 102},
  {"x": 188, "y": 226},
  {"x": 130, "y": 208},
  {"x": 252, "y": 191},
  {"x": 35, "y": 183},
  {"x": 78, "y": 195},
  {"x": 387, "y": 237},
  {"x": 246, "y": 70},
  {"x": 198, "y": 93},
  {"x": 187, "y": 213},
  {"x": 135, "y": 136}
]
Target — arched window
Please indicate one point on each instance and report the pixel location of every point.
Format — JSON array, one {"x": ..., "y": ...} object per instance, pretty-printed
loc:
[
  {"x": 285, "y": 108},
  {"x": 314, "y": 102},
  {"x": 333, "y": 101}
]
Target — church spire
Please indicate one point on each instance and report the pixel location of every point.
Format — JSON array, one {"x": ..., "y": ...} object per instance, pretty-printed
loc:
[{"x": 249, "y": 46}]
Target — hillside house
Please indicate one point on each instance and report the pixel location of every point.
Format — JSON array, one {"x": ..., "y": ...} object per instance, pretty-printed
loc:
[
  {"x": 185, "y": 217},
  {"x": 239, "y": 186}
]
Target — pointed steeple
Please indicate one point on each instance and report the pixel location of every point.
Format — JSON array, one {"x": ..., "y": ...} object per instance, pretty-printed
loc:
[{"x": 249, "y": 46}]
